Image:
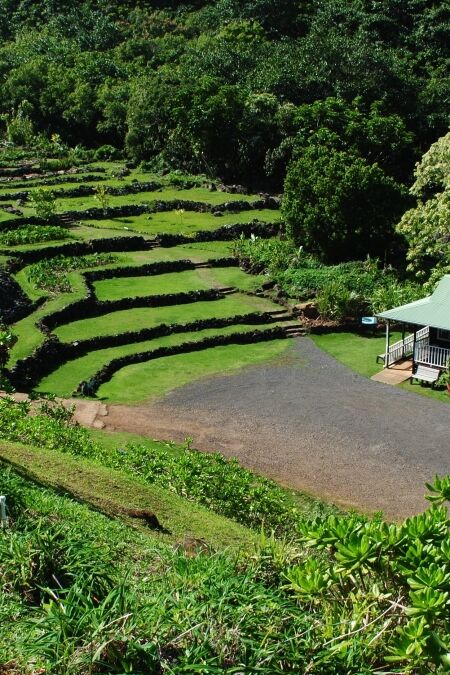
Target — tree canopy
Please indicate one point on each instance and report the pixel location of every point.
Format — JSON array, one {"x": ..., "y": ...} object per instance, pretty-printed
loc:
[
  {"x": 339, "y": 206},
  {"x": 427, "y": 226},
  {"x": 246, "y": 82},
  {"x": 248, "y": 91}
]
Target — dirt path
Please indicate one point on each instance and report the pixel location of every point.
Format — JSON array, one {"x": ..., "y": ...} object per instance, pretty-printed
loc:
[{"x": 310, "y": 423}]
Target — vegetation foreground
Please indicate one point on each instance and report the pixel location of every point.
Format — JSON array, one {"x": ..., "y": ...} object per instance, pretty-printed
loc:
[{"x": 306, "y": 589}]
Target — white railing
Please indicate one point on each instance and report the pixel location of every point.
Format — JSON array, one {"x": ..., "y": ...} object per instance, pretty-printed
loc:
[
  {"x": 404, "y": 348},
  {"x": 431, "y": 355}
]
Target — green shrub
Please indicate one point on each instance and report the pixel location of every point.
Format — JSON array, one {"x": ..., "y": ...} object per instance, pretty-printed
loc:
[
  {"x": 52, "y": 274},
  {"x": 105, "y": 153},
  {"x": 394, "y": 293},
  {"x": 43, "y": 202},
  {"x": 33, "y": 234},
  {"x": 267, "y": 255},
  {"x": 19, "y": 127},
  {"x": 58, "y": 163},
  {"x": 340, "y": 206},
  {"x": 336, "y": 301}
]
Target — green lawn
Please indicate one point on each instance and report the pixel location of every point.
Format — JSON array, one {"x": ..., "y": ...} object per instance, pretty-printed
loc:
[
  {"x": 65, "y": 379},
  {"x": 359, "y": 353},
  {"x": 146, "y": 317},
  {"x": 167, "y": 193},
  {"x": 154, "y": 379},
  {"x": 160, "y": 284},
  {"x": 233, "y": 276},
  {"x": 186, "y": 223},
  {"x": 175, "y": 282}
]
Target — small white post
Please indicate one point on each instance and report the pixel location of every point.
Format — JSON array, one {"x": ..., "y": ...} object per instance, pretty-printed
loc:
[
  {"x": 3, "y": 518},
  {"x": 386, "y": 353}
]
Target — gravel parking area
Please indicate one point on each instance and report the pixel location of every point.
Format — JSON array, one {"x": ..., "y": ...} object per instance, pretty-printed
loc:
[{"x": 312, "y": 424}]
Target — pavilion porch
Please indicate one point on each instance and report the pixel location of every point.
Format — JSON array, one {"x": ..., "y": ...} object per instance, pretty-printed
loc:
[
  {"x": 418, "y": 346},
  {"x": 429, "y": 342}
]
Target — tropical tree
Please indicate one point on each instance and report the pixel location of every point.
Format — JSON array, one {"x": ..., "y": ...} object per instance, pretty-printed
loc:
[
  {"x": 339, "y": 206},
  {"x": 427, "y": 226},
  {"x": 101, "y": 195}
]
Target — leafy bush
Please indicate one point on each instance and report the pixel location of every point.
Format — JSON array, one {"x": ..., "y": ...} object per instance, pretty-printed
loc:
[
  {"x": 339, "y": 206},
  {"x": 7, "y": 342},
  {"x": 336, "y": 301},
  {"x": 33, "y": 234},
  {"x": 267, "y": 255},
  {"x": 395, "y": 293},
  {"x": 52, "y": 274},
  {"x": 19, "y": 126},
  {"x": 43, "y": 202},
  {"x": 106, "y": 153}
]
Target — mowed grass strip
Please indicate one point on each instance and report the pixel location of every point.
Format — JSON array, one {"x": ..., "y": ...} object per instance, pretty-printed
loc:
[
  {"x": 154, "y": 379},
  {"x": 112, "y": 492},
  {"x": 358, "y": 352},
  {"x": 186, "y": 223},
  {"x": 160, "y": 284},
  {"x": 166, "y": 193},
  {"x": 148, "y": 317},
  {"x": 65, "y": 379},
  {"x": 175, "y": 282}
]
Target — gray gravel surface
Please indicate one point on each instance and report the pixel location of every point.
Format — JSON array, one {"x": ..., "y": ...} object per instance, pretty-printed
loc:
[{"x": 312, "y": 424}]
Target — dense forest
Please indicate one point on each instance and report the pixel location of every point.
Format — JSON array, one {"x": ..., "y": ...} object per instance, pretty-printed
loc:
[
  {"x": 236, "y": 88},
  {"x": 342, "y": 97}
]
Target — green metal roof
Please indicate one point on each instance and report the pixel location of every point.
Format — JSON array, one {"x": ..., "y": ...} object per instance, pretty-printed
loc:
[{"x": 431, "y": 311}]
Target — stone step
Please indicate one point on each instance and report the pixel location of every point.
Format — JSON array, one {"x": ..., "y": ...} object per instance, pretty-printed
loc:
[
  {"x": 294, "y": 331},
  {"x": 280, "y": 315}
]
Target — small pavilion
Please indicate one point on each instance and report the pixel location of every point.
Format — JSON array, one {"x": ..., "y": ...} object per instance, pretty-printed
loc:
[{"x": 428, "y": 322}]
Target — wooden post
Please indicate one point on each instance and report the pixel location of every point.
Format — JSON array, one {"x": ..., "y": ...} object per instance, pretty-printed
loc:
[
  {"x": 414, "y": 350},
  {"x": 386, "y": 353}
]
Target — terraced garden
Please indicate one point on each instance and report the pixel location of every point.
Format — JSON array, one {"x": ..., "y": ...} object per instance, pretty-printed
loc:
[{"x": 131, "y": 284}]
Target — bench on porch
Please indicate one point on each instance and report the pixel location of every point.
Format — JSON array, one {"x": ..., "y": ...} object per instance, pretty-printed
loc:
[{"x": 426, "y": 374}]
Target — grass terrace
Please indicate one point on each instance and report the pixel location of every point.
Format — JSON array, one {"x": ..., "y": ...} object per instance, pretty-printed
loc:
[
  {"x": 180, "y": 368},
  {"x": 187, "y": 223},
  {"x": 148, "y": 317},
  {"x": 154, "y": 379},
  {"x": 162, "y": 284},
  {"x": 65, "y": 379}
]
